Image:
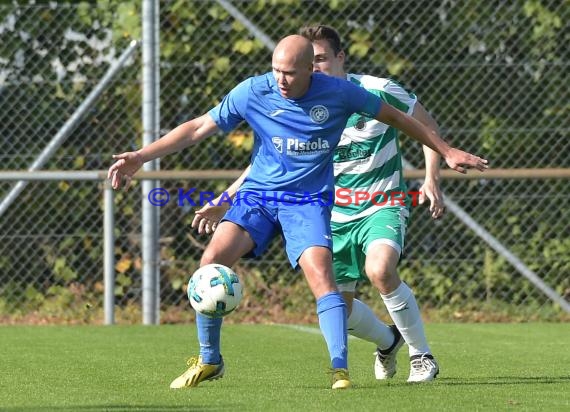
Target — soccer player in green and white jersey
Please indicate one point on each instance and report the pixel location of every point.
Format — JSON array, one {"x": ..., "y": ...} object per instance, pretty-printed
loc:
[{"x": 369, "y": 218}]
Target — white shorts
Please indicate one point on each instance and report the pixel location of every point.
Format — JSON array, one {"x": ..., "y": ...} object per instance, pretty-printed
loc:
[{"x": 347, "y": 286}]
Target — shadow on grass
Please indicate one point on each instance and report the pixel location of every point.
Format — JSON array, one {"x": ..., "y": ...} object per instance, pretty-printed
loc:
[
  {"x": 479, "y": 381},
  {"x": 123, "y": 408},
  {"x": 505, "y": 380}
]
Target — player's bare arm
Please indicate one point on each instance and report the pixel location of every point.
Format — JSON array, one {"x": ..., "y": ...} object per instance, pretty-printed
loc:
[
  {"x": 187, "y": 134},
  {"x": 456, "y": 159},
  {"x": 430, "y": 189}
]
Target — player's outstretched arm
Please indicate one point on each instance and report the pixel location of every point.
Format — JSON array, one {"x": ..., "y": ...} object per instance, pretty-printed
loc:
[
  {"x": 189, "y": 133},
  {"x": 456, "y": 159},
  {"x": 430, "y": 189},
  {"x": 207, "y": 218}
]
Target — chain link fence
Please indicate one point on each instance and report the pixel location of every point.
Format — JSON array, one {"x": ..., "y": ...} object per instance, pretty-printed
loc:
[{"x": 494, "y": 74}]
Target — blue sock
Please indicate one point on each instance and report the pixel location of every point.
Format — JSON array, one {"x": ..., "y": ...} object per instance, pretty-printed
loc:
[
  {"x": 209, "y": 336},
  {"x": 332, "y": 320}
]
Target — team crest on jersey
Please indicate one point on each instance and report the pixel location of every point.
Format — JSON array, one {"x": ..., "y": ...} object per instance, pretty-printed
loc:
[
  {"x": 278, "y": 143},
  {"x": 319, "y": 114},
  {"x": 360, "y": 124}
]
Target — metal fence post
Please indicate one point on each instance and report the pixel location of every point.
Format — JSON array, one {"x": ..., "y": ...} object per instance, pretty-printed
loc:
[
  {"x": 109, "y": 253},
  {"x": 150, "y": 213}
]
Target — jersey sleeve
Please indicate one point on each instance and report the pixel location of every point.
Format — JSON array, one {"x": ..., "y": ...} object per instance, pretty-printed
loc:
[
  {"x": 231, "y": 110},
  {"x": 399, "y": 97},
  {"x": 362, "y": 101}
]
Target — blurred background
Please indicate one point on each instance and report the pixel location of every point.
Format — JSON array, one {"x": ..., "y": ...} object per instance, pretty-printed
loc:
[{"x": 495, "y": 75}]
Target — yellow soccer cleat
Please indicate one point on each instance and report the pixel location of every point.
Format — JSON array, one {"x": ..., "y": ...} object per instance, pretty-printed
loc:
[
  {"x": 198, "y": 372},
  {"x": 340, "y": 379}
]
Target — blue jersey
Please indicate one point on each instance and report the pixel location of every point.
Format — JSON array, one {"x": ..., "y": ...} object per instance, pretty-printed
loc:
[{"x": 294, "y": 139}]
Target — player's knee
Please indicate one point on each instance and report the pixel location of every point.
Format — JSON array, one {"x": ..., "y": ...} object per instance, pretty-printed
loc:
[
  {"x": 382, "y": 275},
  {"x": 387, "y": 283}
]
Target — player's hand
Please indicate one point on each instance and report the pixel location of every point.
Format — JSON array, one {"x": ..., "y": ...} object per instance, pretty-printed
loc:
[
  {"x": 460, "y": 161},
  {"x": 124, "y": 168},
  {"x": 430, "y": 190},
  {"x": 207, "y": 218}
]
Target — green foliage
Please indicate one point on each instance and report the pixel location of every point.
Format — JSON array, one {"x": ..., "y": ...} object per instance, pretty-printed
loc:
[
  {"x": 128, "y": 23},
  {"x": 546, "y": 26}
]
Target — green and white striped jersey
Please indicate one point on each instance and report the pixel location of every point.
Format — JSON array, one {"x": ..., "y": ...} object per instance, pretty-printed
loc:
[{"x": 367, "y": 159}]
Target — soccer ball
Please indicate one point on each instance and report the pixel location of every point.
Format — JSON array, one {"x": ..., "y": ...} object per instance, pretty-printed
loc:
[{"x": 214, "y": 290}]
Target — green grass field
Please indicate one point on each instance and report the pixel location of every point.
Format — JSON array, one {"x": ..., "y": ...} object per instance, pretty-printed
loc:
[{"x": 279, "y": 368}]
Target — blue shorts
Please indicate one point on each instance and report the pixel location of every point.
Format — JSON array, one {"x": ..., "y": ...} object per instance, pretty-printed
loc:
[{"x": 301, "y": 226}]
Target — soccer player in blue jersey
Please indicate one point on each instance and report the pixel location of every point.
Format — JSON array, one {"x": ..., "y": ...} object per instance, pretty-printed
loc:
[
  {"x": 368, "y": 239},
  {"x": 297, "y": 118}
]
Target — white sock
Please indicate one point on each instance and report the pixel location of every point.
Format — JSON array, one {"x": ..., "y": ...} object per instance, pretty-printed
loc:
[
  {"x": 364, "y": 324},
  {"x": 403, "y": 309}
]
